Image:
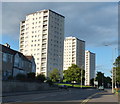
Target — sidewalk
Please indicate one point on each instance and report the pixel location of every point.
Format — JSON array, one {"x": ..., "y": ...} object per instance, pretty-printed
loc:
[{"x": 104, "y": 97}]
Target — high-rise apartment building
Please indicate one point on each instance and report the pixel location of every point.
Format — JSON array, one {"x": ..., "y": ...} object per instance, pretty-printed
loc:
[
  {"x": 89, "y": 66},
  {"x": 42, "y": 35},
  {"x": 74, "y": 52}
]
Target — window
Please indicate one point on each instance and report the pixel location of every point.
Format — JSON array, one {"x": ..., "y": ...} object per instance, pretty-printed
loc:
[{"x": 5, "y": 57}]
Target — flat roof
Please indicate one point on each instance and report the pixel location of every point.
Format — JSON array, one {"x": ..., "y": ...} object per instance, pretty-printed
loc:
[
  {"x": 47, "y": 10},
  {"x": 70, "y": 37}
]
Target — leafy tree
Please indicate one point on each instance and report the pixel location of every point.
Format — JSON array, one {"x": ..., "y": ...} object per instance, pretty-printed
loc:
[
  {"x": 92, "y": 82},
  {"x": 100, "y": 78},
  {"x": 116, "y": 69},
  {"x": 40, "y": 78},
  {"x": 54, "y": 75},
  {"x": 73, "y": 73},
  {"x": 107, "y": 81}
]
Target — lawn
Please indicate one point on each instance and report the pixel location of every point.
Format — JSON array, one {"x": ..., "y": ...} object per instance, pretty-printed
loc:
[{"x": 74, "y": 85}]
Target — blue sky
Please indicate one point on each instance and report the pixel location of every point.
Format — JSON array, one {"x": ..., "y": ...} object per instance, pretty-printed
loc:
[{"x": 94, "y": 22}]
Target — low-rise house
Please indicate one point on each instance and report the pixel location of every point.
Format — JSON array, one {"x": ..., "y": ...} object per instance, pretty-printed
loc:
[
  {"x": 31, "y": 58},
  {"x": 14, "y": 62}
]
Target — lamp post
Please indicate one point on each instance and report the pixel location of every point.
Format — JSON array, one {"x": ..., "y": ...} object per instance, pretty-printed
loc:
[
  {"x": 81, "y": 75},
  {"x": 112, "y": 72},
  {"x": 81, "y": 78}
]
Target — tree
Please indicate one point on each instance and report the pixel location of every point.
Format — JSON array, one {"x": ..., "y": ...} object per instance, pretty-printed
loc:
[
  {"x": 54, "y": 75},
  {"x": 100, "y": 78},
  {"x": 92, "y": 82},
  {"x": 116, "y": 69},
  {"x": 40, "y": 78},
  {"x": 107, "y": 82},
  {"x": 73, "y": 73}
]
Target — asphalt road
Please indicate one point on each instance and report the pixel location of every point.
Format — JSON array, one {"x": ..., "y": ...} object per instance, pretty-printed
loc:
[{"x": 70, "y": 95}]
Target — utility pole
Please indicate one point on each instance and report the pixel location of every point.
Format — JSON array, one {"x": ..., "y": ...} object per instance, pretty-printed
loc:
[
  {"x": 112, "y": 71},
  {"x": 81, "y": 77}
]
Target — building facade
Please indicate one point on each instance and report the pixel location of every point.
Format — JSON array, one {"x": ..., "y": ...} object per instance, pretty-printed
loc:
[
  {"x": 89, "y": 66},
  {"x": 42, "y": 36},
  {"x": 13, "y": 62},
  {"x": 74, "y": 52}
]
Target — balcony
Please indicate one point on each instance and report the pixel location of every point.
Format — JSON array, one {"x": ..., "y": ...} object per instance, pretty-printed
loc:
[
  {"x": 23, "y": 26},
  {"x": 43, "y": 50},
  {"x": 43, "y": 46},
  {"x": 44, "y": 42},
  {"x": 45, "y": 22},
  {"x": 21, "y": 49},
  {"x": 43, "y": 60},
  {"x": 45, "y": 18},
  {"x": 45, "y": 28},
  {"x": 22, "y": 34},
  {"x": 43, "y": 69},
  {"x": 44, "y": 32},
  {"x": 45, "y": 13},
  {"x": 21, "y": 46},
  {"x": 22, "y": 39},
  {"x": 21, "y": 42},
  {"x": 44, "y": 37}
]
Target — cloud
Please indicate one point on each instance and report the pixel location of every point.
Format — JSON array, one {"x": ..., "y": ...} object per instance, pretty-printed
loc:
[{"x": 93, "y": 22}]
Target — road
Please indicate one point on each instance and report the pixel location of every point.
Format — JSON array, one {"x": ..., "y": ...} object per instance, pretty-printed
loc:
[{"x": 72, "y": 95}]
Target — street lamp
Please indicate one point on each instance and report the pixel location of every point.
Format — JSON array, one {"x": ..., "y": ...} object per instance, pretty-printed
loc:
[
  {"x": 81, "y": 75},
  {"x": 112, "y": 72}
]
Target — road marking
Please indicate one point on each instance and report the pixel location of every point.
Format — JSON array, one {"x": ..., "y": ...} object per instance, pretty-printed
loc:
[{"x": 86, "y": 100}]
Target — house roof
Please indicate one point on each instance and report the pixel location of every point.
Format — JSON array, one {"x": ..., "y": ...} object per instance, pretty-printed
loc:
[
  {"x": 29, "y": 57},
  {"x": 8, "y": 50}
]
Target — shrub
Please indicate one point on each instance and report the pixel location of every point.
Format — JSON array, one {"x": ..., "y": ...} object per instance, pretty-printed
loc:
[
  {"x": 31, "y": 76},
  {"x": 21, "y": 77},
  {"x": 49, "y": 82},
  {"x": 40, "y": 78}
]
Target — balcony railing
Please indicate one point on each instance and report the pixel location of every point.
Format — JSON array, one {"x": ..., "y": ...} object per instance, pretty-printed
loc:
[{"x": 44, "y": 51}]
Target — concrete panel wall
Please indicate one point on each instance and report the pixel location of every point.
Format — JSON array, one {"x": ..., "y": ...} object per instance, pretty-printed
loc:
[{"x": 23, "y": 86}]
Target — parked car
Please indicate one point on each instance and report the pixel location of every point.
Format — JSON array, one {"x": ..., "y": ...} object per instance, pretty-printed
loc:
[{"x": 101, "y": 88}]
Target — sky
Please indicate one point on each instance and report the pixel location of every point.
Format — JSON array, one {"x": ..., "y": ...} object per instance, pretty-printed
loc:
[{"x": 94, "y": 22}]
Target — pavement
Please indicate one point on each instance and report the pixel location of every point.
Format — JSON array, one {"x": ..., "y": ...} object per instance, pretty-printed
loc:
[{"x": 102, "y": 97}]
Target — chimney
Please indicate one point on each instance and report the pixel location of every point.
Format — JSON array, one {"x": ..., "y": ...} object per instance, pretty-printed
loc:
[{"x": 7, "y": 45}]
